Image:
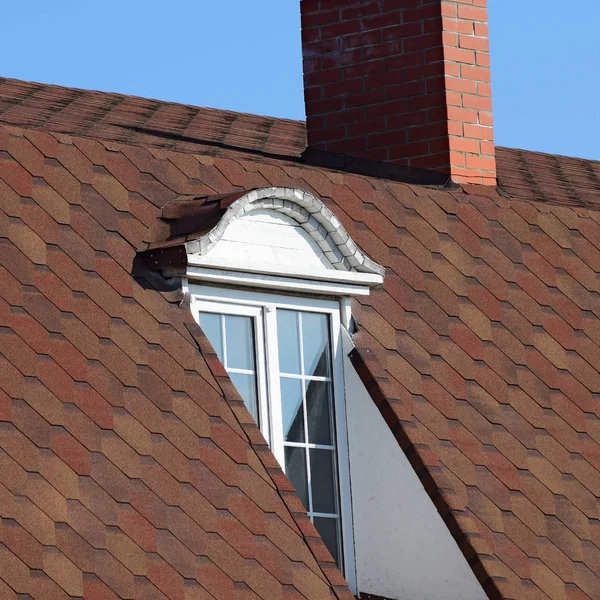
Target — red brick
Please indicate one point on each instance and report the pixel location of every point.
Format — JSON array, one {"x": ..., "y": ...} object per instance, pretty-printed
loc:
[
  {"x": 475, "y": 73},
  {"x": 343, "y": 27},
  {"x": 472, "y": 13},
  {"x": 465, "y": 145},
  {"x": 482, "y": 59},
  {"x": 460, "y": 55},
  {"x": 449, "y": 9},
  {"x": 484, "y": 89},
  {"x": 342, "y": 88},
  {"x": 320, "y": 77},
  {"x": 480, "y": 44},
  {"x": 463, "y": 115},
  {"x": 320, "y": 17},
  {"x": 420, "y": 13},
  {"x": 481, "y": 162},
  {"x": 361, "y": 10},
  {"x": 481, "y": 29},
  {"x": 478, "y": 132},
  {"x": 471, "y": 101},
  {"x": 458, "y": 26}
]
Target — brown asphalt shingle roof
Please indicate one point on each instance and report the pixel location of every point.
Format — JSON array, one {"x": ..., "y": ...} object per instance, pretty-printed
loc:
[{"x": 124, "y": 469}]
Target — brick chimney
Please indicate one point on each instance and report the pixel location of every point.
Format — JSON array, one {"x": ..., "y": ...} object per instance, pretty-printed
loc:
[{"x": 401, "y": 81}]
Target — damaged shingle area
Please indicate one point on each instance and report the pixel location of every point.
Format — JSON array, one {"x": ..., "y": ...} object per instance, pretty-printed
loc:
[{"x": 129, "y": 466}]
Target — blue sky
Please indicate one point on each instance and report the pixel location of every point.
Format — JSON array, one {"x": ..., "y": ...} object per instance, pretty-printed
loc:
[{"x": 245, "y": 55}]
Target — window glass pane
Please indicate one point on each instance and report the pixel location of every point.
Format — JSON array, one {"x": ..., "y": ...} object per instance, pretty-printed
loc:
[
  {"x": 291, "y": 408},
  {"x": 246, "y": 386},
  {"x": 211, "y": 325},
  {"x": 315, "y": 337},
  {"x": 295, "y": 469},
  {"x": 322, "y": 481},
  {"x": 328, "y": 530},
  {"x": 240, "y": 342},
  {"x": 288, "y": 339},
  {"x": 318, "y": 409}
]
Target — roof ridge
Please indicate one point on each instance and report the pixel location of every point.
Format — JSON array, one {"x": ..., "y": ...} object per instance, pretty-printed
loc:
[
  {"x": 42, "y": 85},
  {"x": 549, "y": 154}
]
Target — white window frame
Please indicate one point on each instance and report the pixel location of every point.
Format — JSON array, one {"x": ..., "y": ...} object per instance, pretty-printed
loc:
[
  {"x": 262, "y": 306},
  {"x": 255, "y": 312}
]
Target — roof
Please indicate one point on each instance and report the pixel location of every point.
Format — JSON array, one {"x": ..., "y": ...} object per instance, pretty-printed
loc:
[{"x": 482, "y": 352}]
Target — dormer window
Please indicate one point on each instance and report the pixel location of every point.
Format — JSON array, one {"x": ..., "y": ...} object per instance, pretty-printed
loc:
[{"x": 270, "y": 285}]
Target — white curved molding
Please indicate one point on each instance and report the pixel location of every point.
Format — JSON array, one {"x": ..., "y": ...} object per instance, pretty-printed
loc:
[{"x": 311, "y": 215}]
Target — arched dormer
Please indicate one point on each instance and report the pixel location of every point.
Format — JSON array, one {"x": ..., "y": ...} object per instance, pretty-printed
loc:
[{"x": 279, "y": 238}]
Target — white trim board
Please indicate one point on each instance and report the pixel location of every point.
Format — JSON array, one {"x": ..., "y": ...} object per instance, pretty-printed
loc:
[{"x": 345, "y": 283}]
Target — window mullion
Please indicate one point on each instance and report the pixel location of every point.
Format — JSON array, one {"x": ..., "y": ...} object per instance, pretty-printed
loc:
[
  {"x": 305, "y": 417},
  {"x": 272, "y": 364},
  {"x": 264, "y": 409},
  {"x": 224, "y": 338},
  {"x": 309, "y": 445}
]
